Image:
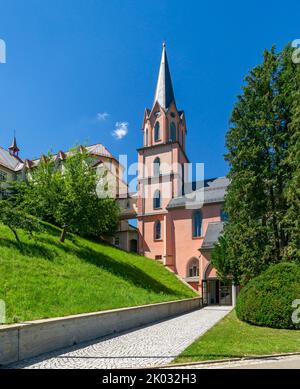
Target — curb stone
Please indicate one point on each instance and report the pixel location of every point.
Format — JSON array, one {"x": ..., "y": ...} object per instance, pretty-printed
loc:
[{"x": 222, "y": 361}]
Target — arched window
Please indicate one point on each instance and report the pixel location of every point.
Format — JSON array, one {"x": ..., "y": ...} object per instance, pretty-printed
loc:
[
  {"x": 146, "y": 137},
  {"x": 133, "y": 245},
  {"x": 172, "y": 135},
  {"x": 223, "y": 215},
  {"x": 197, "y": 224},
  {"x": 193, "y": 268},
  {"x": 156, "y": 199},
  {"x": 156, "y": 167},
  {"x": 157, "y": 230},
  {"x": 157, "y": 132}
]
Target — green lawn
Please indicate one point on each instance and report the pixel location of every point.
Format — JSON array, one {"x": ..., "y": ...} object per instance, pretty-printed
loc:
[
  {"x": 231, "y": 338},
  {"x": 44, "y": 278}
]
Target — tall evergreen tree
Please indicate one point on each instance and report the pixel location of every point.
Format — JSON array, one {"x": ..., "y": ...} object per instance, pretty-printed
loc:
[
  {"x": 258, "y": 141},
  {"x": 293, "y": 189}
]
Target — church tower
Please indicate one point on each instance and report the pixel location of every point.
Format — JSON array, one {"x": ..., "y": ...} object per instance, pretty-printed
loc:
[{"x": 161, "y": 161}]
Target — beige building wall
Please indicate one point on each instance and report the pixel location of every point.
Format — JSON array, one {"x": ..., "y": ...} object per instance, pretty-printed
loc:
[{"x": 6, "y": 176}]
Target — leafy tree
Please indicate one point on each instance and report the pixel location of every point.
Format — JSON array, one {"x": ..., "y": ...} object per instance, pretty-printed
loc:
[
  {"x": 107, "y": 217},
  {"x": 80, "y": 209},
  {"x": 219, "y": 258},
  {"x": 67, "y": 194},
  {"x": 258, "y": 141},
  {"x": 42, "y": 191},
  {"x": 15, "y": 219}
]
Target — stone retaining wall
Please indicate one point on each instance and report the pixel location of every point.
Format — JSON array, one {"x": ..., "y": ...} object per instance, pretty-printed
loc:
[{"x": 29, "y": 339}]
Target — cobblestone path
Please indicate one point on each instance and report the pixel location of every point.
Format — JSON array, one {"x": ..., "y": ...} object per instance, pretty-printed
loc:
[{"x": 153, "y": 345}]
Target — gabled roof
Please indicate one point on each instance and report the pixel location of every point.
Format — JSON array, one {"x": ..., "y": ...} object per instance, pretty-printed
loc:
[
  {"x": 214, "y": 230},
  {"x": 214, "y": 192},
  {"x": 97, "y": 149},
  {"x": 164, "y": 93},
  {"x": 61, "y": 155},
  {"x": 9, "y": 161},
  {"x": 28, "y": 163}
]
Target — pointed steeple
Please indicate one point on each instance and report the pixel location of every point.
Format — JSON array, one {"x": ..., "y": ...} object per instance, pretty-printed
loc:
[
  {"x": 164, "y": 94},
  {"x": 13, "y": 148}
]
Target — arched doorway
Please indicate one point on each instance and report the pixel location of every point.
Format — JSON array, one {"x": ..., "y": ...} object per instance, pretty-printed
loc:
[
  {"x": 133, "y": 245},
  {"x": 215, "y": 291}
]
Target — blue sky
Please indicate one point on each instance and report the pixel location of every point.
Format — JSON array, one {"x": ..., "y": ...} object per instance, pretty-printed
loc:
[{"x": 69, "y": 60}]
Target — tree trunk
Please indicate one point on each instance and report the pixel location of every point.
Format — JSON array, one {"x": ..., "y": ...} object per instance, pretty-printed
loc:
[
  {"x": 15, "y": 234},
  {"x": 63, "y": 234}
]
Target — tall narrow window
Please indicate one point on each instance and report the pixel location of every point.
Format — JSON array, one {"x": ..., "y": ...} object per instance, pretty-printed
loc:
[
  {"x": 146, "y": 137},
  {"x": 157, "y": 132},
  {"x": 156, "y": 199},
  {"x": 156, "y": 167},
  {"x": 197, "y": 224},
  {"x": 173, "y": 135},
  {"x": 157, "y": 230}
]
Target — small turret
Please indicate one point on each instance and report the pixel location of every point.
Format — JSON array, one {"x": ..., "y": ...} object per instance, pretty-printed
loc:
[{"x": 13, "y": 148}]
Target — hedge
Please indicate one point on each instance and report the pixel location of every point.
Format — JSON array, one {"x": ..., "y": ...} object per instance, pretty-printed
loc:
[{"x": 267, "y": 299}]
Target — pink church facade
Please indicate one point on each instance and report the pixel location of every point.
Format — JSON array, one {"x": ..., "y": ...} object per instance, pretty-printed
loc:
[{"x": 169, "y": 229}]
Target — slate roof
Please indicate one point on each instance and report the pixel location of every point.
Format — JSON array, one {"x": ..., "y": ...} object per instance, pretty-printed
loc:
[
  {"x": 99, "y": 149},
  {"x": 214, "y": 230},
  {"x": 164, "y": 93},
  {"x": 9, "y": 161},
  {"x": 213, "y": 191},
  {"x": 96, "y": 149}
]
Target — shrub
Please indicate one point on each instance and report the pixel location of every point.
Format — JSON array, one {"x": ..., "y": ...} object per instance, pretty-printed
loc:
[{"x": 267, "y": 299}]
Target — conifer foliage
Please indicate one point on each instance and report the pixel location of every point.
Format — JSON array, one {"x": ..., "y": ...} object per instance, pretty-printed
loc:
[{"x": 264, "y": 156}]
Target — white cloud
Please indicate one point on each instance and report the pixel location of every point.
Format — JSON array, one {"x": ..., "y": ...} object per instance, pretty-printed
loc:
[
  {"x": 102, "y": 116},
  {"x": 121, "y": 130}
]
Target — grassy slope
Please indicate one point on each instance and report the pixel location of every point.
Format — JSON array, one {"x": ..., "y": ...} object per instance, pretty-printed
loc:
[
  {"x": 44, "y": 278},
  {"x": 233, "y": 338}
]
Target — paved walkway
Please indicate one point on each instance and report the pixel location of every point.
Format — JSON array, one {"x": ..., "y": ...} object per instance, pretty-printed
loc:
[
  {"x": 153, "y": 345},
  {"x": 284, "y": 362}
]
